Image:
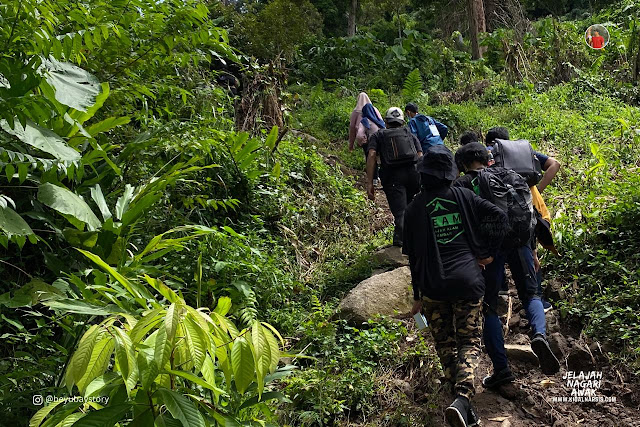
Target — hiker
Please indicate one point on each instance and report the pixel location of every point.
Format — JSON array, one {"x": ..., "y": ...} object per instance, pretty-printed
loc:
[
  {"x": 472, "y": 136},
  {"x": 399, "y": 151},
  {"x": 450, "y": 235},
  {"x": 365, "y": 121},
  {"x": 469, "y": 137},
  {"x": 428, "y": 130},
  {"x": 516, "y": 251},
  {"x": 550, "y": 166}
]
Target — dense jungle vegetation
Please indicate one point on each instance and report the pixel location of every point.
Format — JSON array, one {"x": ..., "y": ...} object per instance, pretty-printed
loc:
[{"x": 177, "y": 227}]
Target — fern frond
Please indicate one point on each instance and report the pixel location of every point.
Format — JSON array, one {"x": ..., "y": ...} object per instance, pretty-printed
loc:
[{"x": 412, "y": 86}]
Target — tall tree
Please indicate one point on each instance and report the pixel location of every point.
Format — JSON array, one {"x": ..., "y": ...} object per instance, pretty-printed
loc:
[
  {"x": 353, "y": 13},
  {"x": 477, "y": 25}
]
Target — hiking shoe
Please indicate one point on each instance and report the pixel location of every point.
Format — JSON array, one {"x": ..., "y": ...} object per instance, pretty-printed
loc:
[
  {"x": 456, "y": 413},
  {"x": 548, "y": 361},
  {"x": 546, "y": 305},
  {"x": 504, "y": 376},
  {"x": 472, "y": 417}
]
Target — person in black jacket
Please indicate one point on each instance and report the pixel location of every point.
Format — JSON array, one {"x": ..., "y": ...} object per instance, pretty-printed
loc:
[
  {"x": 450, "y": 234},
  {"x": 472, "y": 158}
]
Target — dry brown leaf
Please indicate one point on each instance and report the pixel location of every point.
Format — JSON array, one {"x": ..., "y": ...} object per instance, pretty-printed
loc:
[{"x": 499, "y": 419}]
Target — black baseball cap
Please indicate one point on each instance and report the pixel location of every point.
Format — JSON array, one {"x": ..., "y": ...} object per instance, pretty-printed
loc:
[{"x": 438, "y": 161}]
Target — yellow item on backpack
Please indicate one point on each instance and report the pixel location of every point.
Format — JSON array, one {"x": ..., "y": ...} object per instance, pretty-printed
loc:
[{"x": 539, "y": 204}]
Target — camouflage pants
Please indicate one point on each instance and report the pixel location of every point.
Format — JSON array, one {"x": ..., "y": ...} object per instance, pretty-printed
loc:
[{"x": 456, "y": 328}]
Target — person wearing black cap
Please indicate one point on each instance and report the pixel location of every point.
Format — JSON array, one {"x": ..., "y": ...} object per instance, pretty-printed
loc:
[
  {"x": 450, "y": 235},
  {"x": 399, "y": 151}
]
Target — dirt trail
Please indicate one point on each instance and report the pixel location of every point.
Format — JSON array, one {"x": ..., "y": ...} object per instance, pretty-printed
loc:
[{"x": 534, "y": 399}]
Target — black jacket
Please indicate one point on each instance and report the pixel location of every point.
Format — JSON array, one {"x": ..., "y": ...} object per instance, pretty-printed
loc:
[{"x": 485, "y": 226}]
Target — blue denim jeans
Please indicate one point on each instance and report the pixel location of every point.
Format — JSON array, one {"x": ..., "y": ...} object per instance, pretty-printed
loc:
[{"x": 522, "y": 268}]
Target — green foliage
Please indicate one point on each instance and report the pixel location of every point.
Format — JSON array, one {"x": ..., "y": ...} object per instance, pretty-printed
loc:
[
  {"x": 276, "y": 30},
  {"x": 412, "y": 86}
]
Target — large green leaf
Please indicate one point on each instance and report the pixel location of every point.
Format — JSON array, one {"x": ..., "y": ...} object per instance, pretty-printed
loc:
[
  {"x": 78, "y": 364},
  {"x": 242, "y": 364},
  {"x": 98, "y": 363},
  {"x": 73, "y": 86},
  {"x": 166, "y": 335},
  {"x": 106, "y": 417},
  {"x": 126, "y": 358},
  {"x": 12, "y": 224},
  {"x": 42, "y": 139},
  {"x": 197, "y": 342},
  {"x": 67, "y": 203},
  {"x": 107, "y": 124},
  {"x": 196, "y": 380},
  {"x": 133, "y": 288},
  {"x": 181, "y": 408},
  {"x": 98, "y": 197},
  {"x": 42, "y": 413},
  {"x": 81, "y": 307}
]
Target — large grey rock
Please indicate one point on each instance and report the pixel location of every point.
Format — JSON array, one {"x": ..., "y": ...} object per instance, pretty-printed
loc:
[
  {"x": 391, "y": 255},
  {"x": 388, "y": 294}
]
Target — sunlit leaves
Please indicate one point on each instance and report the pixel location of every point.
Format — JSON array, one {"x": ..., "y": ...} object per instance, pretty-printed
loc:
[
  {"x": 67, "y": 203},
  {"x": 243, "y": 364}
]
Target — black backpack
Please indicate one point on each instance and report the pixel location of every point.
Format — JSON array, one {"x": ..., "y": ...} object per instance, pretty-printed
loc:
[
  {"x": 399, "y": 147},
  {"x": 510, "y": 192},
  {"x": 518, "y": 156}
]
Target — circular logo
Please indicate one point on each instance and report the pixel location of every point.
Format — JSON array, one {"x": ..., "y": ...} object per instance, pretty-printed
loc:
[{"x": 597, "y": 36}]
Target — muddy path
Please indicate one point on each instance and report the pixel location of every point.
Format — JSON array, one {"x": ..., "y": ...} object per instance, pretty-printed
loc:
[{"x": 534, "y": 399}]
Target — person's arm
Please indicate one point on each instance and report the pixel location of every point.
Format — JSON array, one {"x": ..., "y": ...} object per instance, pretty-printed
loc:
[
  {"x": 550, "y": 168},
  {"x": 371, "y": 165},
  {"x": 494, "y": 224},
  {"x": 443, "y": 130},
  {"x": 416, "y": 142},
  {"x": 353, "y": 128}
]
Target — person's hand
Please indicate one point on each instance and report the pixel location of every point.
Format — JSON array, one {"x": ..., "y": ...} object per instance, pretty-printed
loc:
[
  {"x": 371, "y": 192},
  {"x": 417, "y": 307},
  {"x": 483, "y": 262},
  {"x": 536, "y": 261}
]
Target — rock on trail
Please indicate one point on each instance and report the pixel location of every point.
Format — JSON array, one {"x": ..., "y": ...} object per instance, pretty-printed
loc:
[{"x": 387, "y": 294}]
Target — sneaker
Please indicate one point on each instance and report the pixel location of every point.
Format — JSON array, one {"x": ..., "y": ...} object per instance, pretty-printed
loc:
[
  {"x": 472, "y": 417},
  {"x": 546, "y": 305},
  {"x": 377, "y": 183},
  {"x": 548, "y": 361},
  {"x": 456, "y": 413},
  {"x": 504, "y": 376}
]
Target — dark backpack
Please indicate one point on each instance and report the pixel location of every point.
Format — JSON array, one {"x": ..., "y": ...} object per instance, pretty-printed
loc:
[
  {"x": 510, "y": 192},
  {"x": 518, "y": 156},
  {"x": 399, "y": 147}
]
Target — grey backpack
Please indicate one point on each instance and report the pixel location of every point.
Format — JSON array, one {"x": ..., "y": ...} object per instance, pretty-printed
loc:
[{"x": 518, "y": 156}]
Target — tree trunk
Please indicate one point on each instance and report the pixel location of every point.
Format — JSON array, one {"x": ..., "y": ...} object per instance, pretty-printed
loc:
[
  {"x": 353, "y": 13},
  {"x": 477, "y": 25}
]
